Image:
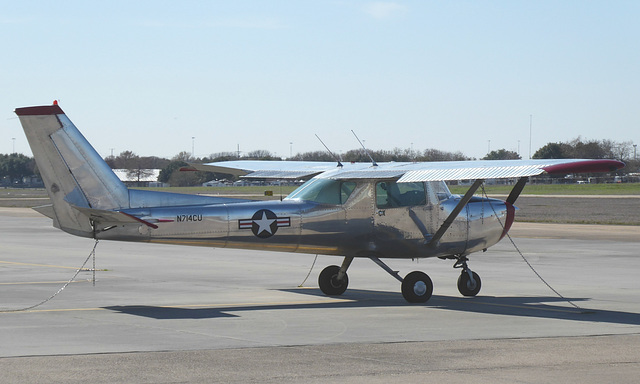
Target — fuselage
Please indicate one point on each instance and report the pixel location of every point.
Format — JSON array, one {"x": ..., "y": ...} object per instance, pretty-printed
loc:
[{"x": 346, "y": 218}]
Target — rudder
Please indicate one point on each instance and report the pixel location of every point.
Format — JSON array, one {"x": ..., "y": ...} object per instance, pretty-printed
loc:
[{"x": 74, "y": 174}]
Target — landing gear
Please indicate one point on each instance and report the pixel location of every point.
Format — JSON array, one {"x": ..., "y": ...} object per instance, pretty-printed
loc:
[
  {"x": 469, "y": 285},
  {"x": 329, "y": 283},
  {"x": 333, "y": 280},
  {"x": 417, "y": 287},
  {"x": 469, "y": 282}
]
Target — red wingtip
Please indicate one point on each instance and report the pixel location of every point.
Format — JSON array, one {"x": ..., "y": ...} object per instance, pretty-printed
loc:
[
  {"x": 586, "y": 166},
  {"x": 55, "y": 102}
]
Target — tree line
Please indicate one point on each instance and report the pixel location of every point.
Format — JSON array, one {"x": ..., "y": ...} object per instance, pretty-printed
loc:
[
  {"x": 14, "y": 167},
  {"x": 591, "y": 149}
]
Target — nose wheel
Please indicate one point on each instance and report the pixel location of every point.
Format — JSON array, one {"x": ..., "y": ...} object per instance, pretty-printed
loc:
[{"x": 469, "y": 282}]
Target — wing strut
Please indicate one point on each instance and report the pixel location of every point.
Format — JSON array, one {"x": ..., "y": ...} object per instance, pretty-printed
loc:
[
  {"x": 456, "y": 211},
  {"x": 517, "y": 189}
]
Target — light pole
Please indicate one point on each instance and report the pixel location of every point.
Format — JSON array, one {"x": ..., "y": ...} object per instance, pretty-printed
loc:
[
  {"x": 193, "y": 147},
  {"x": 530, "y": 132},
  {"x": 14, "y": 144},
  {"x": 635, "y": 146},
  {"x": 290, "y": 149}
]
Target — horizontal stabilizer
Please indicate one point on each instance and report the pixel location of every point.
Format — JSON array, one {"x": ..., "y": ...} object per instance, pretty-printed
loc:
[
  {"x": 46, "y": 210},
  {"x": 113, "y": 217}
]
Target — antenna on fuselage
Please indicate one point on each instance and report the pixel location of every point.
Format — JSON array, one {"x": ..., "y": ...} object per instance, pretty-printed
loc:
[
  {"x": 331, "y": 153},
  {"x": 365, "y": 149}
]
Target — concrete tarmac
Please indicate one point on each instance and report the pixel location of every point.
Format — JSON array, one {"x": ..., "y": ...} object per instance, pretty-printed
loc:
[{"x": 167, "y": 314}]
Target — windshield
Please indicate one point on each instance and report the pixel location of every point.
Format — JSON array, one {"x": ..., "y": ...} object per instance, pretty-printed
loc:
[{"x": 324, "y": 191}]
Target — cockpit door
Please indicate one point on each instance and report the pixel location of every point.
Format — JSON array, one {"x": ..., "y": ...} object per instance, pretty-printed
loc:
[{"x": 402, "y": 211}]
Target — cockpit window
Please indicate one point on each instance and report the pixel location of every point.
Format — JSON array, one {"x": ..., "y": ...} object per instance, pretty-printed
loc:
[
  {"x": 324, "y": 191},
  {"x": 390, "y": 194},
  {"x": 440, "y": 189}
]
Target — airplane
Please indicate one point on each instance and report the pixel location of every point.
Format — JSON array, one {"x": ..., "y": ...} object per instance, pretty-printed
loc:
[{"x": 392, "y": 210}]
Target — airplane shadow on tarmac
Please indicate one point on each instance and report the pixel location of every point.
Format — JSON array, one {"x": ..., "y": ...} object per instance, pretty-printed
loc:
[{"x": 523, "y": 306}]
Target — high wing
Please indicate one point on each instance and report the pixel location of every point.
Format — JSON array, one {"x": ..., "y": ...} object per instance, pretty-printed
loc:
[
  {"x": 265, "y": 169},
  {"x": 411, "y": 172}
]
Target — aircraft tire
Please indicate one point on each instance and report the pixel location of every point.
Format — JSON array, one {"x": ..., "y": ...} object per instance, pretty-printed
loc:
[
  {"x": 465, "y": 286},
  {"x": 417, "y": 287},
  {"x": 329, "y": 283}
]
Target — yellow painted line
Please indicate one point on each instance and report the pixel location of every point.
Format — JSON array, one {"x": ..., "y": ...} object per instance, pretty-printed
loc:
[
  {"x": 43, "y": 282},
  {"x": 258, "y": 305},
  {"x": 58, "y": 310},
  {"x": 229, "y": 306},
  {"x": 37, "y": 265}
]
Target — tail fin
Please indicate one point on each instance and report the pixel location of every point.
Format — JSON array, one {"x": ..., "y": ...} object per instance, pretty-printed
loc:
[{"x": 73, "y": 172}]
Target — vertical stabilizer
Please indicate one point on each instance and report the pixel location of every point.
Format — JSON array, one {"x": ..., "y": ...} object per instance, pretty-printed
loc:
[{"x": 73, "y": 172}]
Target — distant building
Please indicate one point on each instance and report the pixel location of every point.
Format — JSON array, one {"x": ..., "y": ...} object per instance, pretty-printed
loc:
[
  {"x": 214, "y": 183},
  {"x": 139, "y": 177}
]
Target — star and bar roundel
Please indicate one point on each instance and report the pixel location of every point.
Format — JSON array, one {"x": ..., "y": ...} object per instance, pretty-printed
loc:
[{"x": 264, "y": 223}]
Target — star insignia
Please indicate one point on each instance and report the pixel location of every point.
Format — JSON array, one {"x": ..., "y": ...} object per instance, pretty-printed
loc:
[{"x": 264, "y": 223}]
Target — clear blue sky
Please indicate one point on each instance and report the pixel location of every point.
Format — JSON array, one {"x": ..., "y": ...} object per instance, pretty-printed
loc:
[{"x": 148, "y": 76}]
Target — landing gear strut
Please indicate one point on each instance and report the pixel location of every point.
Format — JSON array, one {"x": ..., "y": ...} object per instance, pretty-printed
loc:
[
  {"x": 469, "y": 282},
  {"x": 416, "y": 286},
  {"x": 333, "y": 280}
]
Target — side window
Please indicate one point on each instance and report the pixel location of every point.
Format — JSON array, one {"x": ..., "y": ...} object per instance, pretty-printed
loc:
[
  {"x": 440, "y": 189},
  {"x": 390, "y": 194}
]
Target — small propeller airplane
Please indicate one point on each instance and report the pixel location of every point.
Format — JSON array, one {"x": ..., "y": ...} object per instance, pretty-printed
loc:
[{"x": 376, "y": 211}]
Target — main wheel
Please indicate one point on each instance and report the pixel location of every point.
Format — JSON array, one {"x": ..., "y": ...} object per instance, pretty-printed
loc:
[
  {"x": 329, "y": 283},
  {"x": 468, "y": 287},
  {"x": 417, "y": 287}
]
